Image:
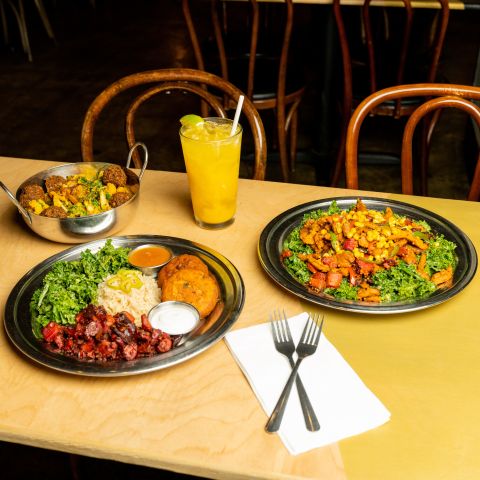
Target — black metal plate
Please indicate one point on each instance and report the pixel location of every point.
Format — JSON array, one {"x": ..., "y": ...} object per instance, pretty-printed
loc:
[
  {"x": 18, "y": 321},
  {"x": 274, "y": 234}
]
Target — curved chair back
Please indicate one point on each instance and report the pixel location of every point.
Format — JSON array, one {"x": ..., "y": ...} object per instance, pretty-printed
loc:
[
  {"x": 263, "y": 76},
  {"x": 445, "y": 95},
  {"x": 166, "y": 80},
  {"x": 398, "y": 61}
]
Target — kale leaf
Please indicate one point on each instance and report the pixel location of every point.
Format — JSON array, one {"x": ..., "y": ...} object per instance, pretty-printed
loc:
[
  {"x": 402, "y": 282},
  {"x": 71, "y": 285}
]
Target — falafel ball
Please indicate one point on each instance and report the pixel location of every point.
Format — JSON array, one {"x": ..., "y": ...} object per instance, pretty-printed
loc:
[
  {"x": 30, "y": 192},
  {"x": 54, "y": 212},
  {"x": 116, "y": 175},
  {"x": 54, "y": 183},
  {"x": 119, "y": 198}
]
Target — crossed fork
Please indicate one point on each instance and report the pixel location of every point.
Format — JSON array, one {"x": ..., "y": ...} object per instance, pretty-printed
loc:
[{"x": 307, "y": 346}]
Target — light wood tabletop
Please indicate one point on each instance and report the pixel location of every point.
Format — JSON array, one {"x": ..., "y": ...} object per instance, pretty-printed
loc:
[{"x": 201, "y": 417}]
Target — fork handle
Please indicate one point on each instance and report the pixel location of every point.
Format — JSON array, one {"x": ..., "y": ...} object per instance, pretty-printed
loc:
[
  {"x": 309, "y": 415},
  {"x": 276, "y": 417}
]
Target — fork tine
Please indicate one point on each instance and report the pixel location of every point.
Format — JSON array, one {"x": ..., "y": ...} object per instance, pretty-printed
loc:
[
  {"x": 273, "y": 324},
  {"x": 288, "y": 333},
  {"x": 277, "y": 327},
  {"x": 318, "y": 332},
  {"x": 314, "y": 331},
  {"x": 306, "y": 331},
  {"x": 285, "y": 329}
]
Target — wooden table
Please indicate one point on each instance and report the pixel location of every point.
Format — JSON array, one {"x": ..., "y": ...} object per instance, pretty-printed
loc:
[
  {"x": 201, "y": 417},
  {"x": 454, "y": 4}
]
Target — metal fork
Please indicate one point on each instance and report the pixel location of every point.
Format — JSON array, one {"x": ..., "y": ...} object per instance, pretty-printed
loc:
[
  {"x": 306, "y": 347},
  {"x": 283, "y": 341}
]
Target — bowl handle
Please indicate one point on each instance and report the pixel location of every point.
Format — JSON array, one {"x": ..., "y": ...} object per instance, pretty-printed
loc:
[
  {"x": 145, "y": 162},
  {"x": 21, "y": 209}
]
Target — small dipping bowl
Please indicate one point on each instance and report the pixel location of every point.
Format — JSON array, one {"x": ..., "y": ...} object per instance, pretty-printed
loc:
[
  {"x": 150, "y": 258},
  {"x": 174, "y": 318}
]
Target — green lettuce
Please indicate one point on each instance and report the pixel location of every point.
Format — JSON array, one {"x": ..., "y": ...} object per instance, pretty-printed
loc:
[
  {"x": 344, "y": 292},
  {"x": 71, "y": 285},
  {"x": 440, "y": 255},
  {"x": 402, "y": 282}
]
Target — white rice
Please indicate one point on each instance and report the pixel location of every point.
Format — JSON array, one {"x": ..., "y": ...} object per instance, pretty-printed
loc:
[{"x": 138, "y": 301}]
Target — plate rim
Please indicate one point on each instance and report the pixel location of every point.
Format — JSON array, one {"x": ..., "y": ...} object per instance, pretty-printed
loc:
[
  {"x": 279, "y": 274},
  {"x": 65, "y": 364}
]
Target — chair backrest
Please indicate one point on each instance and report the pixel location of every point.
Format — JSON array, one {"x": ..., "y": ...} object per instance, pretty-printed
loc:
[
  {"x": 400, "y": 60},
  {"x": 253, "y": 24},
  {"x": 248, "y": 44},
  {"x": 445, "y": 95},
  {"x": 166, "y": 80},
  {"x": 385, "y": 46}
]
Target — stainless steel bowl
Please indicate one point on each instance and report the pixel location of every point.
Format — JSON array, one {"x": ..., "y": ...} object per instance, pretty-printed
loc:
[
  {"x": 90, "y": 227},
  {"x": 151, "y": 270}
]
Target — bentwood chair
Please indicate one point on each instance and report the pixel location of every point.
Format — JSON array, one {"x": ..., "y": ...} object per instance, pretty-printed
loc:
[
  {"x": 168, "y": 81},
  {"x": 383, "y": 48},
  {"x": 443, "y": 95},
  {"x": 251, "y": 49}
]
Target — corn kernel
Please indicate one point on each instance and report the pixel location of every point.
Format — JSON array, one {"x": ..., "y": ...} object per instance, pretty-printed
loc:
[
  {"x": 357, "y": 253},
  {"x": 111, "y": 188}
]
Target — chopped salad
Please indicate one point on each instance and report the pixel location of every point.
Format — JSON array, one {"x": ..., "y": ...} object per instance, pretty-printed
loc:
[{"x": 368, "y": 255}]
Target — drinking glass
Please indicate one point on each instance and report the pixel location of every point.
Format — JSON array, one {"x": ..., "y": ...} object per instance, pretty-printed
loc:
[{"x": 212, "y": 160}]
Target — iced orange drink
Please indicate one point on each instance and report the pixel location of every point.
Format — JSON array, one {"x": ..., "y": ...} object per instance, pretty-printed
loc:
[{"x": 212, "y": 160}]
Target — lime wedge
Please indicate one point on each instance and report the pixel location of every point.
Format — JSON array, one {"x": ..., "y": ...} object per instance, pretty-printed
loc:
[{"x": 191, "y": 120}]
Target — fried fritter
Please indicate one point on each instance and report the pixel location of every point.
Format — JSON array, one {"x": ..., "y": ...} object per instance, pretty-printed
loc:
[
  {"x": 195, "y": 287},
  {"x": 179, "y": 263},
  {"x": 120, "y": 198},
  {"x": 55, "y": 183},
  {"x": 31, "y": 191},
  {"x": 54, "y": 212},
  {"x": 116, "y": 175}
]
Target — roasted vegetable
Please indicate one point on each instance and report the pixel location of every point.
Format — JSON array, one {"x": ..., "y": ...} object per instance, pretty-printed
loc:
[{"x": 368, "y": 255}]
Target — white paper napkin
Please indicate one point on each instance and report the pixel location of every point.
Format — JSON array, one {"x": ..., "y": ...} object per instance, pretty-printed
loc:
[{"x": 343, "y": 404}]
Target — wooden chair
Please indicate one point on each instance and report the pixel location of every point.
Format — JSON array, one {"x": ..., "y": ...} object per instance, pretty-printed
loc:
[
  {"x": 167, "y": 80},
  {"x": 18, "y": 10},
  {"x": 386, "y": 60},
  {"x": 262, "y": 74},
  {"x": 445, "y": 95}
]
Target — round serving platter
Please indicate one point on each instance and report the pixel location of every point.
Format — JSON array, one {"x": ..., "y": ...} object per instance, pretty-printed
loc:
[
  {"x": 19, "y": 330},
  {"x": 274, "y": 234}
]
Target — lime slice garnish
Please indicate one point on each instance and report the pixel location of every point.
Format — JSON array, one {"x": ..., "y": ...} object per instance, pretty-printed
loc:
[{"x": 191, "y": 120}]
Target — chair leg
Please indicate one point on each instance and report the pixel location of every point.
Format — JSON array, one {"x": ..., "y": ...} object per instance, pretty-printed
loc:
[
  {"x": 293, "y": 140},
  {"x": 282, "y": 149},
  {"x": 428, "y": 126},
  {"x": 340, "y": 160},
  {"x": 22, "y": 26},
  {"x": 424, "y": 159},
  {"x": 474, "y": 193},
  {"x": 45, "y": 20},
  {"x": 74, "y": 466},
  {"x": 4, "y": 23}
]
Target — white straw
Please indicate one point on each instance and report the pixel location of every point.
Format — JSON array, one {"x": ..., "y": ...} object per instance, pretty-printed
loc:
[{"x": 237, "y": 114}]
